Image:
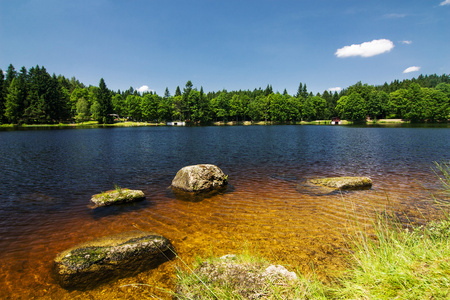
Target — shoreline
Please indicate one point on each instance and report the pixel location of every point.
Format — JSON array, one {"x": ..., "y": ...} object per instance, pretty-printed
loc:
[{"x": 94, "y": 124}]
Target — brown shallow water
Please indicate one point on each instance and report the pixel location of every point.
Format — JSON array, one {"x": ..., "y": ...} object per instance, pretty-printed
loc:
[
  {"x": 271, "y": 216},
  {"x": 48, "y": 177}
]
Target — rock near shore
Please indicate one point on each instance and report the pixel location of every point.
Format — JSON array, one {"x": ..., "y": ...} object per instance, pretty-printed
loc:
[
  {"x": 343, "y": 183},
  {"x": 126, "y": 254},
  {"x": 198, "y": 178},
  {"x": 246, "y": 280}
]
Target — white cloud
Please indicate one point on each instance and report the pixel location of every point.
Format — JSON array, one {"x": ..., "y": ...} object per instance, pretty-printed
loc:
[
  {"x": 406, "y": 42},
  {"x": 144, "y": 89},
  {"x": 411, "y": 69},
  {"x": 335, "y": 89},
  {"x": 366, "y": 49},
  {"x": 446, "y": 2}
]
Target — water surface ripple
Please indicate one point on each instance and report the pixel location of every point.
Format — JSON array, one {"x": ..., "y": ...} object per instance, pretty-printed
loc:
[{"x": 48, "y": 177}]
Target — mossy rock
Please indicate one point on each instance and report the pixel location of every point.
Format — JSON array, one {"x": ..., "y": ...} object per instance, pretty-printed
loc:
[
  {"x": 117, "y": 196},
  {"x": 121, "y": 255},
  {"x": 230, "y": 273},
  {"x": 199, "y": 178},
  {"x": 343, "y": 183}
]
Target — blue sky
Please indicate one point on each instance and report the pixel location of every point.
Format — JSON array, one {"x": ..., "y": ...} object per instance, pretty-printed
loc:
[{"x": 228, "y": 44}]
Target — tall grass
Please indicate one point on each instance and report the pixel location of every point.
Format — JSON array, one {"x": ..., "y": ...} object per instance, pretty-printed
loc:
[{"x": 398, "y": 263}]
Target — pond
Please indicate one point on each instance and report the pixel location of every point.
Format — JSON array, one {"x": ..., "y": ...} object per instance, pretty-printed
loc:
[{"x": 49, "y": 176}]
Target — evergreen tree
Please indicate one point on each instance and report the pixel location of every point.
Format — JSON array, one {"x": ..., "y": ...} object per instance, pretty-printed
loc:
[
  {"x": 47, "y": 101},
  {"x": 186, "y": 104},
  {"x": 3, "y": 93},
  {"x": 268, "y": 90},
  {"x": 10, "y": 75},
  {"x": 166, "y": 93},
  {"x": 178, "y": 91},
  {"x": 103, "y": 95},
  {"x": 305, "y": 91},
  {"x": 302, "y": 91},
  {"x": 299, "y": 90},
  {"x": 15, "y": 101},
  {"x": 16, "y": 98}
]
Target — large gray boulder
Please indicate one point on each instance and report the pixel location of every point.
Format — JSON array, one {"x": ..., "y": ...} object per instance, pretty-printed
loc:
[
  {"x": 343, "y": 183},
  {"x": 88, "y": 264},
  {"x": 199, "y": 178},
  {"x": 117, "y": 196}
]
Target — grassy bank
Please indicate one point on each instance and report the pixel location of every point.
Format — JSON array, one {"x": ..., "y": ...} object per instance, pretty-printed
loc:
[
  {"x": 83, "y": 124},
  {"x": 387, "y": 262},
  {"x": 231, "y": 123}
]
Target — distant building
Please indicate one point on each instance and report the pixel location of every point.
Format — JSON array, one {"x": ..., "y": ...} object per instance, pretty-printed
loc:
[
  {"x": 176, "y": 123},
  {"x": 335, "y": 121}
]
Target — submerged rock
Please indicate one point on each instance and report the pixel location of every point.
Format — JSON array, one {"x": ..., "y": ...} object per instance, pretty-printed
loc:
[
  {"x": 88, "y": 264},
  {"x": 245, "y": 279},
  {"x": 117, "y": 196},
  {"x": 343, "y": 183},
  {"x": 198, "y": 178}
]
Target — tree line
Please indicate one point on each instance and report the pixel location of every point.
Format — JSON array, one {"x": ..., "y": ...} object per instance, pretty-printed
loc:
[{"x": 35, "y": 97}]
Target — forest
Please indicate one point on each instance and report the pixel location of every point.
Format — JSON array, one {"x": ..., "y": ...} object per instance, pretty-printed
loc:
[{"x": 35, "y": 97}]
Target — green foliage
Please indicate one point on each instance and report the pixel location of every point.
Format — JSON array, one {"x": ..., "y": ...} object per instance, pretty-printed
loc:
[
  {"x": 3, "y": 94},
  {"x": 398, "y": 264},
  {"x": 36, "y": 97},
  {"x": 132, "y": 107},
  {"x": 76, "y": 95},
  {"x": 15, "y": 101},
  {"x": 104, "y": 104},
  {"x": 352, "y": 107}
]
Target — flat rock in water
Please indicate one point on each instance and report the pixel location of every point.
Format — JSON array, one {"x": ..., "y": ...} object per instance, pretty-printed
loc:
[
  {"x": 343, "y": 183},
  {"x": 89, "y": 264},
  {"x": 199, "y": 178},
  {"x": 117, "y": 196}
]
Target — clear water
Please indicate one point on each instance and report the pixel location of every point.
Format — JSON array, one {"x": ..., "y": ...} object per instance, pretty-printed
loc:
[{"x": 48, "y": 176}]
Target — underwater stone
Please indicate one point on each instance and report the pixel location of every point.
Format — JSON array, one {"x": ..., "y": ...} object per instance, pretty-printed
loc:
[{"x": 343, "y": 183}]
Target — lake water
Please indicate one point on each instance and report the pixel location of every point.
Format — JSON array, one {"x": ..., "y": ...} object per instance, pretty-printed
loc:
[{"x": 48, "y": 177}]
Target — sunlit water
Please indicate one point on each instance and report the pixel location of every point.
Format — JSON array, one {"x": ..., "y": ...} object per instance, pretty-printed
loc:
[{"x": 48, "y": 177}]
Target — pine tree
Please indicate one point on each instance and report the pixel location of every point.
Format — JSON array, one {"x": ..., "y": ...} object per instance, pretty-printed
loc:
[
  {"x": 299, "y": 90},
  {"x": 15, "y": 100},
  {"x": 10, "y": 75},
  {"x": 105, "y": 104},
  {"x": 304, "y": 92},
  {"x": 186, "y": 104},
  {"x": 166, "y": 93},
  {"x": 16, "y": 96},
  {"x": 178, "y": 91},
  {"x": 268, "y": 90},
  {"x": 2, "y": 97}
]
